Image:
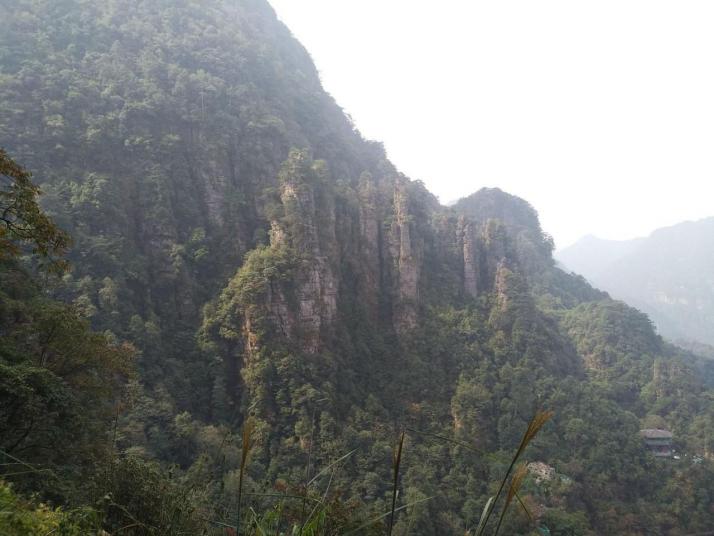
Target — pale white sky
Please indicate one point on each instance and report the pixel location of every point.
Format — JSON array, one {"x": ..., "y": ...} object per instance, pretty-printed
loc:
[{"x": 599, "y": 113}]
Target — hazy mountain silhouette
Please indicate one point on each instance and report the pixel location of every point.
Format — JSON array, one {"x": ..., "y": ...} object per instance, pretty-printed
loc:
[{"x": 669, "y": 275}]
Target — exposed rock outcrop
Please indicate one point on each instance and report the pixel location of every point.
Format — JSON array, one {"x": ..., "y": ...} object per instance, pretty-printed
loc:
[
  {"x": 406, "y": 261},
  {"x": 369, "y": 241}
]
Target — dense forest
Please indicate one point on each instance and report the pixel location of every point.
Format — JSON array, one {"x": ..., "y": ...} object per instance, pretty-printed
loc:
[{"x": 223, "y": 311}]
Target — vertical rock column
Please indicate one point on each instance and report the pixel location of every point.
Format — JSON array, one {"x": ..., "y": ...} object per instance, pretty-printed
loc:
[
  {"x": 369, "y": 236},
  {"x": 316, "y": 283},
  {"x": 470, "y": 256},
  {"x": 407, "y": 268}
]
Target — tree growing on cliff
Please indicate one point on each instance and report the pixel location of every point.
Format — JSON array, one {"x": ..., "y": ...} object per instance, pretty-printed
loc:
[{"x": 22, "y": 221}]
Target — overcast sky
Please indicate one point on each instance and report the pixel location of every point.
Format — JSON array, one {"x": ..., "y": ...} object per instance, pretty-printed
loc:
[{"x": 599, "y": 113}]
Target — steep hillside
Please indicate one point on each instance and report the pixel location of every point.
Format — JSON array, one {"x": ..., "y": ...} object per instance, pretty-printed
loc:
[
  {"x": 274, "y": 268},
  {"x": 158, "y": 130},
  {"x": 668, "y": 275}
]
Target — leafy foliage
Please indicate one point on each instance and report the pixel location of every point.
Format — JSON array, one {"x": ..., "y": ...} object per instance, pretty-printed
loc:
[
  {"x": 20, "y": 517},
  {"x": 21, "y": 219}
]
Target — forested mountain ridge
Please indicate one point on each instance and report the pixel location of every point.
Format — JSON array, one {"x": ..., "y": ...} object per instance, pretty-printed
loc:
[
  {"x": 668, "y": 275},
  {"x": 267, "y": 262}
]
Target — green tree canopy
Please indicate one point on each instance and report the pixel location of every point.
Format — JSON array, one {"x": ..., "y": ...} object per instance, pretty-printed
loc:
[{"x": 22, "y": 221}]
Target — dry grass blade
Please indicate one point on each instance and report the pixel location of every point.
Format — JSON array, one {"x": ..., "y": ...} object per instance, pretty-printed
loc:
[
  {"x": 326, "y": 469},
  {"x": 18, "y": 461},
  {"x": 537, "y": 422},
  {"x": 516, "y": 483},
  {"x": 283, "y": 496},
  {"x": 525, "y": 508},
  {"x": 375, "y": 519},
  {"x": 396, "y": 462},
  {"x": 320, "y": 503},
  {"x": 247, "y": 444},
  {"x": 324, "y": 498},
  {"x": 534, "y": 426},
  {"x": 447, "y": 439},
  {"x": 484, "y": 515}
]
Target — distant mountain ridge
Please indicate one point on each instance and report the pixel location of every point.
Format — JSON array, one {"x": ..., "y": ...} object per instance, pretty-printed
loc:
[{"x": 669, "y": 275}]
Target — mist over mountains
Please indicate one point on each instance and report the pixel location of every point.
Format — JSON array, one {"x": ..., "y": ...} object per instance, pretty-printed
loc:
[{"x": 669, "y": 275}]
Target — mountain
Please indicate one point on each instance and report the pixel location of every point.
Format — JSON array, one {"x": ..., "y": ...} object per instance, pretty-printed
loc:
[
  {"x": 281, "y": 280},
  {"x": 668, "y": 275},
  {"x": 592, "y": 255}
]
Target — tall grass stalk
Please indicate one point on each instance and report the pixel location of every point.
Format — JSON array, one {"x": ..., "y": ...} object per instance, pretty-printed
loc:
[
  {"x": 382, "y": 516},
  {"x": 334, "y": 467},
  {"x": 473, "y": 449},
  {"x": 396, "y": 462},
  {"x": 309, "y": 458},
  {"x": 534, "y": 426},
  {"x": 246, "y": 446},
  {"x": 321, "y": 503},
  {"x": 326, "y": 469},
  {"x": 516, "y": 483}
]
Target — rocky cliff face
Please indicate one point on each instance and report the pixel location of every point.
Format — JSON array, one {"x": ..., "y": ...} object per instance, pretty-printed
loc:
[
  {"x": 182, "y": 168},
  {"x": 471, "y": 251},
  {"x": 391, "y": 262},
  {"x": 406, "y": 256}
]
